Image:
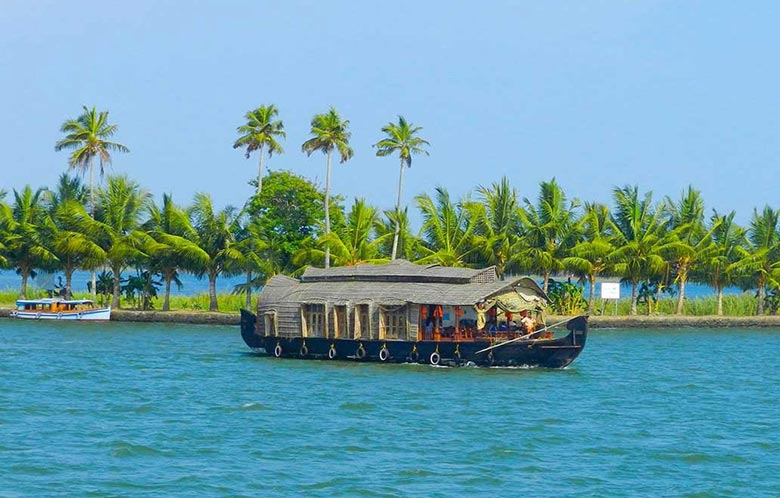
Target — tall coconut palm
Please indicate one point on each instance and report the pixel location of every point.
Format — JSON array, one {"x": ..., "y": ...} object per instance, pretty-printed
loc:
[
  {"x": 175, "y": 249},
  {"x": 88, "y": 137},
  {"x": 589, "y": 257},
  {"x": 498, "y": 224},
  {"x": 550, "y": 231},
  {"x": 28, "y": 245},
  {"x": 260, "y": 131},
  {"x": 215, "y": 235},
  {"x": 637, "y": 238},
  {"x": 719, "y": 265},
  {"x": 118, "y": 218},
  {"x": 687, "y": 238},
  {"x": 447, "y": 229},
  {"x": 401, "y": 138},
  {"x": 329, "y": 132}
]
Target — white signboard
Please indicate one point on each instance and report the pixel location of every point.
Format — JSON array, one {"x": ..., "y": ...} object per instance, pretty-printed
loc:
[{"x": 610, "y": 290}]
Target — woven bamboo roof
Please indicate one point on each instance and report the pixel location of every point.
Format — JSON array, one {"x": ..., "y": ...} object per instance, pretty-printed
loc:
[
  {"x": 396, "y": 284},
  {"x": 400, "y": 270}
]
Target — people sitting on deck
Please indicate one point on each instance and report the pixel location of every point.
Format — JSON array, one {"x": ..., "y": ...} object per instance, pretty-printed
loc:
[{"x": 527, "y": 323}]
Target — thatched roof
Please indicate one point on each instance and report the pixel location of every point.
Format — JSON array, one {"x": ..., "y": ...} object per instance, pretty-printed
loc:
[
  {"x": 396, "y": 283},
  {"x": 400, "y": 270}
]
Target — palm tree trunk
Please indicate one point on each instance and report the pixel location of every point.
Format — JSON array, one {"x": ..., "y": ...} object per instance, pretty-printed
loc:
[
  {"x": 260, "y": 172},
  {"x": 249, "y": 290},
  {"x": 398, "y": 211},
  {"x": 681, "y": 295},
  {"x": 213, "y": 305},
  {"x": 23, "y": 291},
  {"x": 592, "y": 294},
  {"x": 720, "y": 300},
  {"x": 634, "y": 285},
  {"x": 117, "y": 277},
  {"x": 69, "y": 281},
  {"x": 92, "y": 278},
  {"x": 327, "y": 209},
  {"x": 760, "y": 307},
  {"x": 167, "y": 298},
  {"x": 546, "y": 280}
]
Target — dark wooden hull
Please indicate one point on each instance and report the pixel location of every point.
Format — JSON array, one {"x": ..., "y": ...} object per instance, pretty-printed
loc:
[{"x": 547, "y": 353}]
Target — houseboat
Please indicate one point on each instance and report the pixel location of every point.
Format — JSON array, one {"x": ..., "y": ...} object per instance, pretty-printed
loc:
[
  {"x": 60, "y": 309},
  {"x": 401, "y": 312}
]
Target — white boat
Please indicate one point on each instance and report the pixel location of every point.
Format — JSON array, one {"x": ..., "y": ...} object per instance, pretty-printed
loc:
[{"x": 60, "y": 309}]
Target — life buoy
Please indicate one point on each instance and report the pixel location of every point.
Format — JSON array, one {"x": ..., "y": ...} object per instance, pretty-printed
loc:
[
  {"x": 59, "y": 315},
  {"x": 435, "y": 358},
  {"x": 332, "y": 352},
  {"x": 278, "y": 350},
  {"x": 384, "y": 354},
  {"x": 304, "y": 350},
  {"x": 78, "y": 315},
  {"x": 38, "y": 315},
  {"x": 491, "y": 358},
  {"x": 361, "y": 352},
  {"x": 414, "y": 356}
]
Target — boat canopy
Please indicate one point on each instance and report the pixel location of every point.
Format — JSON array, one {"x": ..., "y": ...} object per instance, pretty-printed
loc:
[{"x": 49, "y": 301}]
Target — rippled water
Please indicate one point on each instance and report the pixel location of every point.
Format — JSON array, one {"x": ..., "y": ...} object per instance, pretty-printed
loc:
[{"x": 167, "y": 410}]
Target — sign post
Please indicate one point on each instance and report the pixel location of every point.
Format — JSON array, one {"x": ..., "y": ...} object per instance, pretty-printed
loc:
[{"x": 610, "y": 290}]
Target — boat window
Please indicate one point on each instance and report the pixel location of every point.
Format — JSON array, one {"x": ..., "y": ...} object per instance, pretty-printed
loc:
[
  {"x": 339, "y": 321},
  {"x": 314, "y": 315},
  {"x": 361, "y": 325},
  {"x": 269, "y": 323},
  {"x": 394, "y": 321}
]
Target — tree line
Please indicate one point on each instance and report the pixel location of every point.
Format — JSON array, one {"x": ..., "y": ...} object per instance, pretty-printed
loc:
[{"x": 290, "y": 223}]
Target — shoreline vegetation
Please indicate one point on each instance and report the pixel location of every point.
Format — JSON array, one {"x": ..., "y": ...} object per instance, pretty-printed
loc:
[
  {"x": 137, "y": 247},
  {"x": 594, "y": 322}
]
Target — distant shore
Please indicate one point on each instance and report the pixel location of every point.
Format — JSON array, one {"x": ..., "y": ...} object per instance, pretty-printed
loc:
[{"x": 596, "y": 322}]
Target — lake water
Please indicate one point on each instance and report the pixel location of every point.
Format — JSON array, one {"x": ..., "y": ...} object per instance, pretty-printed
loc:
[{"x": 116, "y": 409}]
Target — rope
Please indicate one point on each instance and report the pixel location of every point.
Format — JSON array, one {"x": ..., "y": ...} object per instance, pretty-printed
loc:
[{"x": 522, "y": 336}]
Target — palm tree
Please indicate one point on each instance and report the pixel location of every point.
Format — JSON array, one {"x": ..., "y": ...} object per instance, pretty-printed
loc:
[
  {"x": 589, "y": 257},
  {"x": 328, "y": 132},
  {"x": 550, "y": 231},
  {"x": 719, "y": 265},
  {"x": 175, "y": 249},
  {"x": 69, "y": 223},
  {"x": 88, "y": 137},
  {"x": 401, "y": 138},
  {"x": 5, "y": 220},
  {"x": 28, "y": 245},
  {"x": 118, "y": 221},
  {"x": 637, "y": 238},
  {"x": 215, "y": 236},
  {"x": 687, "y": 238},
  {"x": 351, "y": 243},
  {"x": 249, "y": 236},
  {"x": 260, "y": 130},
  {"x": 447, "y": 230},
  {"x": 407, "y": 242},
  {"x": 761, "y": 261},
  {"x": 498, "y": 224}
]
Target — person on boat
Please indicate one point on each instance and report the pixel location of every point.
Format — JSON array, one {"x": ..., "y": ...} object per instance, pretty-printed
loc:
[{"x": 527, "y": 323}]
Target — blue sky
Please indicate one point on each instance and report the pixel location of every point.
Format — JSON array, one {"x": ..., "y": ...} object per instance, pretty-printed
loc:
[{"x": 597, "y": 94}]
